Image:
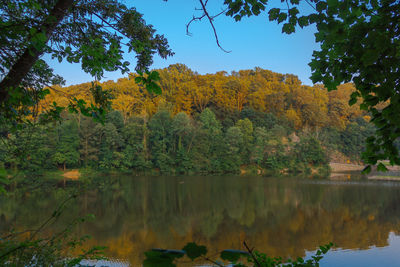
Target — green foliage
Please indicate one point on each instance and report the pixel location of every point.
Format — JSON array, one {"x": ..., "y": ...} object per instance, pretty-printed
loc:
[
  {"x": 357, "y": 44},
  {"x": 210, "y": 122},
  {"x": 234, "y": 143},
  {"x": 233, "y": 255},
  {"x": 150, "y": 82},
  {"x": 3, "y": 180},
  {"x": 115, "y": 117},
  {"x": 309, "y": 151},
  {"x": 178, "y": 144},
  {"x": 239, "y": 9},
  {"x": 102, "y": 104},
  {"x": 161, "y": 139},
  {"x": 92, "y": 34},
  {"x": 261, "y": 119},
  {"x": 67, "y": 146},
  {"x": 162, "y": 258},
  {"x": 354, "y": 137},
  {"x": 213, "y": 137},
  {"x": 169, "y": 258},
  {"x": 194, "y": 251}
]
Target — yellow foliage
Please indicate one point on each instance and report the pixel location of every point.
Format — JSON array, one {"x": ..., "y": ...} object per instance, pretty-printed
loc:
[
  {"x": 262, "y": 90},
  {"x": 294, "y": 118}
]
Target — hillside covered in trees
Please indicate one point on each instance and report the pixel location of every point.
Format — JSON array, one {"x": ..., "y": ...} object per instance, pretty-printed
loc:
[{"x": 250, "y": 120}]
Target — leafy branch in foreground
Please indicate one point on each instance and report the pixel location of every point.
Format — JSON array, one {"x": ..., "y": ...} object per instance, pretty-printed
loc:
[
  {"x": 169, "y": 258},
  {"x": 359, "y": 43},
  {"x": 92, "y": 33},
  {"x": 29, "y": 248}
]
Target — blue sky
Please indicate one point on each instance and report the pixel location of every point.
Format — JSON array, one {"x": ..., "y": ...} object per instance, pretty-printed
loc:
[{"x": 253, "y": 42}]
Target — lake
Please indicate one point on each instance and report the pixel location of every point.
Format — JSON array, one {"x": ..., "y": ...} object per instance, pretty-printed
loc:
[{"x": 286, "y": 217}]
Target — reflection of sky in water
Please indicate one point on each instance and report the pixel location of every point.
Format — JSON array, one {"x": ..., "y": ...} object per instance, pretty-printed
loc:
[
  {"x": 278, "y": 216},
  {"x": 103, "y": 263},
  {"x": 374, "y": 256}
]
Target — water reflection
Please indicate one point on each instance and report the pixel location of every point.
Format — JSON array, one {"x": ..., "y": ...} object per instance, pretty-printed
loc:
[{"x": 282, "y": 217}]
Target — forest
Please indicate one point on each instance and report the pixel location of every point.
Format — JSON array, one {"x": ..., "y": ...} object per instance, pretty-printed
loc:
[
  {"x": 251, "y": 121},
  {"x": 175, "y": 121}
]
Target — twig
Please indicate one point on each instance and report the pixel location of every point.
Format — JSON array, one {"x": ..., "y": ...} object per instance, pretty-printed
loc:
[
  {"x": 311, "y": 5},
  {"x": 220, "y": 13},
  {"x": 190, "y": 22},
  {"x": 288, "y": 8},
  {"x": 109, "y": 24},
  {"x": 210, "y": 19},
  {"x": 11, "y": 251},
  {"x": 252, "y": 254},
  {"x": 214, "y": 262},
  {"x": 60, "y": 92},
  {"x": 200, "y": 18},
  {"x": 54, "y": 215}
]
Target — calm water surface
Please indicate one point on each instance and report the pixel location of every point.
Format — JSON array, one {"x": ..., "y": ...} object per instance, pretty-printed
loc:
[{"x": 286, "y": 217}]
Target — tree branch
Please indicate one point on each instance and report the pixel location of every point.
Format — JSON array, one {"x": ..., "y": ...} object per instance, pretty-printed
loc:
[
  {"x": 109, "y": 24},
  {"x": 210, "y": 19},
  {"x": 311, "y": 5},
  {"x": 190, "y": 22},
  {"x": 252, "y": 254},
  {"x": 31, "y": 54}
]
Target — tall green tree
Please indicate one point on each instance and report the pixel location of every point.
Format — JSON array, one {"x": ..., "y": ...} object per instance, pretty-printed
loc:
[
  {"x": 110, "y": 142},
  {"x": 88, "y": 134},
  {"x": 66, "y": 152},
  {"x": 183, "y": 135},
  {"x": 161, "y": 140},
  {"x": 210, "y": 144},
  {"x": 135, "y": 134},
  {"x": 246, "y": 129},
  {"x": 232, "y": 160}
]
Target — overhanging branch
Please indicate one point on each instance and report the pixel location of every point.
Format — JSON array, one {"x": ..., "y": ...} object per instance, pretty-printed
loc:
[
  {"x": 31, "y": 54},
  {"x": 210, "y": 19}
]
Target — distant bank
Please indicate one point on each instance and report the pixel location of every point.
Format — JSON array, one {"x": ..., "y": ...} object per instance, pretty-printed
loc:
[{"x": 338, "y": 169}]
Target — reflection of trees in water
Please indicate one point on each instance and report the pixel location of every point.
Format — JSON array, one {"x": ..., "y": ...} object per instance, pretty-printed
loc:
[{"x": 278, "y": 216}]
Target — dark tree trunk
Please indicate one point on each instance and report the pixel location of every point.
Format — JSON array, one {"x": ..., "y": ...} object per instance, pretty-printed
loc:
[{"x": 26, "y": 61}]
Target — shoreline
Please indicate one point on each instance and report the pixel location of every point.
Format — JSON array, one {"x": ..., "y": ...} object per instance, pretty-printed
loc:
[
  {"x": 342, "y": 170},
  {"x": 345, "y": 167}
]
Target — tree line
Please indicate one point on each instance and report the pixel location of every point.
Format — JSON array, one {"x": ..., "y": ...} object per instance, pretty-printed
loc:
[
  {"x": 184, "y": 90},
  {"x": 252, "y": 120}
]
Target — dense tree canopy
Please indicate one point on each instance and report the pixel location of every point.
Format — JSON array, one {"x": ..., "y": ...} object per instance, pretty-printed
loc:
[
  {"x": 359, "y": 43},
  {"x": 263, "y": 91},
  {"x": 293, "y": 128}
]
